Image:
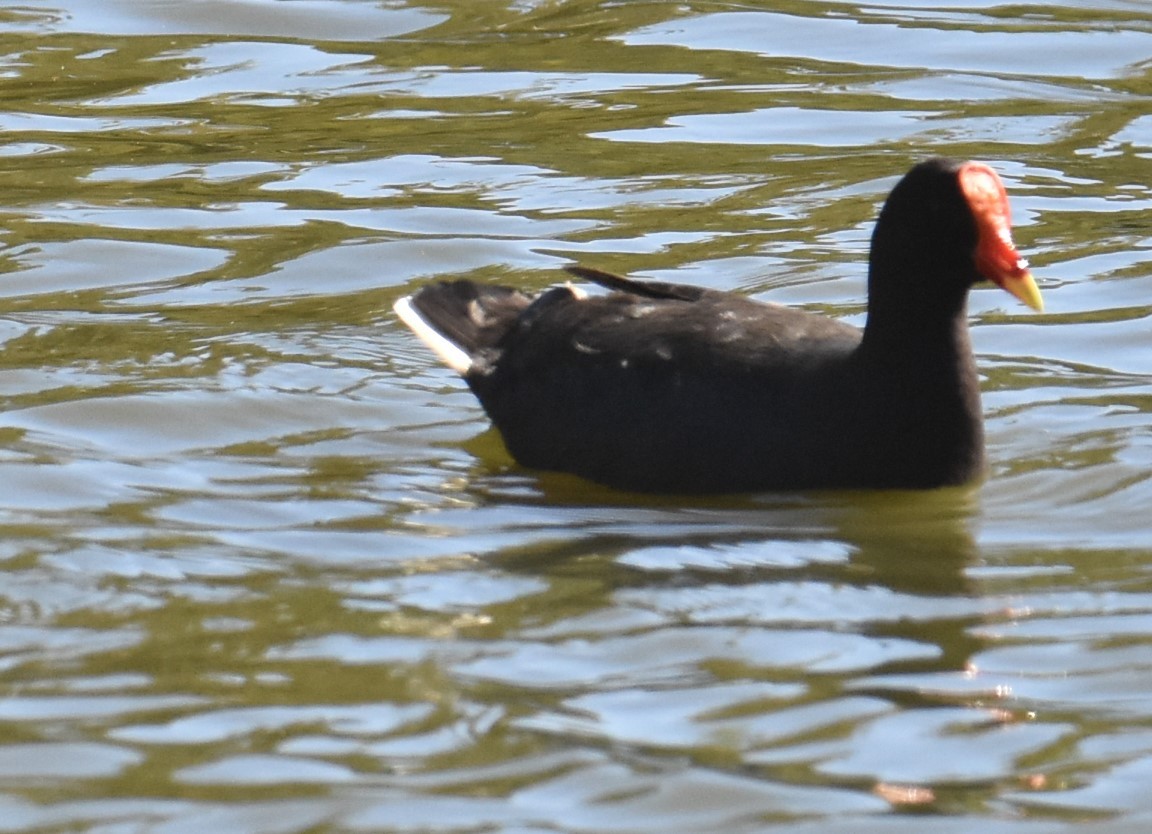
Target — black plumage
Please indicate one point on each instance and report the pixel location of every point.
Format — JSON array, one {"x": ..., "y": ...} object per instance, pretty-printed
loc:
[{"x": 669, "y": 388}]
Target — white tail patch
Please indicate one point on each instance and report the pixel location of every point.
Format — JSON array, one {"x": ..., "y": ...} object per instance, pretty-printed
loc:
[
  {"x": 576, "y": 291},
  {"x": 446, "y": 350}
]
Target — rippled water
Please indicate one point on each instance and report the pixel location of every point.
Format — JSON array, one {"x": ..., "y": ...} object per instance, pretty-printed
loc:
[{"x": 266, "y": 569}]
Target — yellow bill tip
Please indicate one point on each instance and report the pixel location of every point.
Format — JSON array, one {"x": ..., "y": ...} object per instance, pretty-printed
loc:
[{"x": 1023, "y": 286}]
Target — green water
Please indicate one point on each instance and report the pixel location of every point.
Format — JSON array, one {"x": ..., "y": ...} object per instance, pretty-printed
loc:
[{"x": 266, "y": 569}]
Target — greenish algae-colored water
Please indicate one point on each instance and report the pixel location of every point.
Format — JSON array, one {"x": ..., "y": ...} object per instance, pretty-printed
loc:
[{"x": 266, "y": 569}]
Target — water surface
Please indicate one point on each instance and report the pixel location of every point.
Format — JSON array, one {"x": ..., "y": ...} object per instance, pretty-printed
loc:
[{"x": 267, "y": 570}]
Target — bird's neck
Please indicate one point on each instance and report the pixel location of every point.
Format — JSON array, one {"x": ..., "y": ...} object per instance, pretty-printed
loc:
[
  {"x": 929, "y": 339},
  {"x": 919, "y": 322},
  {"x": 917, "y": 338},
  {"x": 919, "y": 356}
]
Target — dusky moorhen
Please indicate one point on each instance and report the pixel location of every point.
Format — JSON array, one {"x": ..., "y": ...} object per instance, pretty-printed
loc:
[{"x": 670, "y": 388}]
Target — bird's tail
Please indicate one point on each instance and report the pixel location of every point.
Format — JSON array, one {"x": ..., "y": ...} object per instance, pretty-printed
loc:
[{"x": 455, "y": 319}]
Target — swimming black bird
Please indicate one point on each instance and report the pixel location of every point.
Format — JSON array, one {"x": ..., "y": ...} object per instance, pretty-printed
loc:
[{"x": 669, "y": 388}]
